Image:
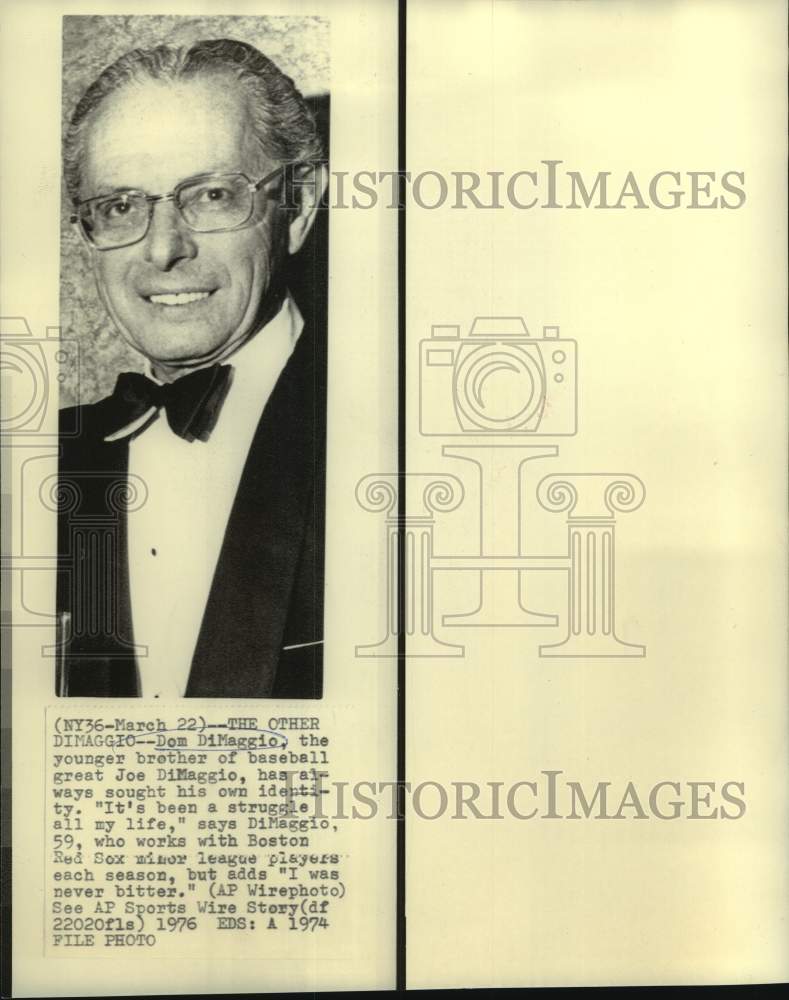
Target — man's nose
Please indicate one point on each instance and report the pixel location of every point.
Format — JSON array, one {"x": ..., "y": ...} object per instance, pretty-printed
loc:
[{"x": 168, "y": 240}]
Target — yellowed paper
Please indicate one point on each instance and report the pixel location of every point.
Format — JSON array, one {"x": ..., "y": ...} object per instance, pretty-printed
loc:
[
  {"x": 677, "y": 321},
  {"x": 579, "y": 548},
  {"x": 153, "y": 770}
]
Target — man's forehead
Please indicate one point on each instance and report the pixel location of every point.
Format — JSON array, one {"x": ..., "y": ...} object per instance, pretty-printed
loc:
[{"x": 152, "y": 134}]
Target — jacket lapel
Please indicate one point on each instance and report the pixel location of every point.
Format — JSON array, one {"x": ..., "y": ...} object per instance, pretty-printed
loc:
[{"x": 242, "y": 631}]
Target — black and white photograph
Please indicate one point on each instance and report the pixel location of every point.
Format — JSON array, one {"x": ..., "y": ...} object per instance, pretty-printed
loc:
[{"x": 191, "y": 534}]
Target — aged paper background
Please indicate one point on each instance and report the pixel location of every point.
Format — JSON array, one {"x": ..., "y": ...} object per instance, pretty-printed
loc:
[
  {"x": 679, "y": 320},
  {"x": 358, "y": 707}
]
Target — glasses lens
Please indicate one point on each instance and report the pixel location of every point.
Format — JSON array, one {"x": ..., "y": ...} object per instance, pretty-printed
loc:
[
  {"x": 216, "y": 202},
  {"x": 115, "y": 220}
]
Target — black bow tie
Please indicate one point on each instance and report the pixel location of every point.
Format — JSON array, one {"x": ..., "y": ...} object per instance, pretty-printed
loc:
[{"x": 191, "y": 403}]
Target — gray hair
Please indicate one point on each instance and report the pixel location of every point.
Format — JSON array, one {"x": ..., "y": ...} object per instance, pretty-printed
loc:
[{"x": 281, "y": 121}]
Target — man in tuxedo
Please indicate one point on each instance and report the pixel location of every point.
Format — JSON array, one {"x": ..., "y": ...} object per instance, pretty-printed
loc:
[{"x": 192, "y": 499}]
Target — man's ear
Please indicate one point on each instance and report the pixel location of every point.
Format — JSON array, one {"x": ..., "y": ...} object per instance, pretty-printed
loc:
[{"x": 308, "y": 188}]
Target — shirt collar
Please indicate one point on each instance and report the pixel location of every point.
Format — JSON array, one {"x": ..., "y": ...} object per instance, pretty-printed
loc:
[{"x": 271, "y": 345}]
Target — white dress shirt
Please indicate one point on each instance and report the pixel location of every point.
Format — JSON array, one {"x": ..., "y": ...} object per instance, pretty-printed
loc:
[{"x": 176, "y": 536}]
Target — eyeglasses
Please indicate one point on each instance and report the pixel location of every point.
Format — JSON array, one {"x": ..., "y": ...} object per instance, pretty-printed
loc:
[{"x": 208, "y": 203}]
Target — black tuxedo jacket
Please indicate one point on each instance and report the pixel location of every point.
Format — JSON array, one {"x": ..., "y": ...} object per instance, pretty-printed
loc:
[{"x": 262, "y": 628}]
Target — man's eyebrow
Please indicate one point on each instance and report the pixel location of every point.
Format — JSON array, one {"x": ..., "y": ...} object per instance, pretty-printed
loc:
[{"x": 105, "y": 191}]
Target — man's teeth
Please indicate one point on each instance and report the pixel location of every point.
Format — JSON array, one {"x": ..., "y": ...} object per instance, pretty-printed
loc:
[{"x": 178, "y": 298}]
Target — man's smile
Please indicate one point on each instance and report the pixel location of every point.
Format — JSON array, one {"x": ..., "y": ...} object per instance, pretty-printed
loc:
[{"x": 178, "y": 299}]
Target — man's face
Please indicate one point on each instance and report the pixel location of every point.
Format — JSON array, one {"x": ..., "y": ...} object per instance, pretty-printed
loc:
[{"x": 182, "y": 298}]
